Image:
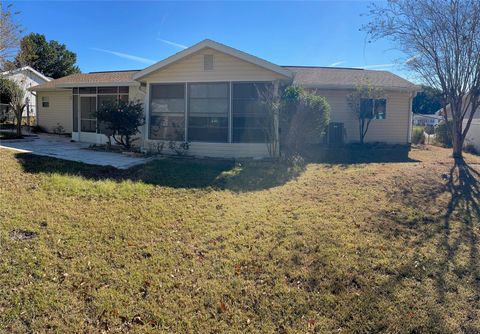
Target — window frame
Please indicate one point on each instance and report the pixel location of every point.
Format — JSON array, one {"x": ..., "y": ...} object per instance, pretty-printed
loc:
[
  {"x": 228, "y": 114},
  {"x": 76, "y": 91},
  {"x": 374, "y": 114},
  {"x": 266, "y": 83},
  {"x": 45, "y": 102},
  {"x": 151, "y": 113}
]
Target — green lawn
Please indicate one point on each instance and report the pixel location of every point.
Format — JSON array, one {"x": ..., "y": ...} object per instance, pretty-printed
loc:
[{"x": 217, "y": 247}]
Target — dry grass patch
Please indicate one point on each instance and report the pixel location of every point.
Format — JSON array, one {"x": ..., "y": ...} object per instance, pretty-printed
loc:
[{"x": 186, "y": 246}]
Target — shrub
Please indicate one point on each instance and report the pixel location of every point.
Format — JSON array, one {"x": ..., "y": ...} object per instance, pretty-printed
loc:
[
  {"x": 418, "y": 135},
  {"x": 304, "y": 117},
  {"x": 470, "y": 148},
  {"x": 121, "y": 121},
  {"x": 58, "y": 129},
  {"x": 443, "y": 134},
  {"x": 37, "y": 129}
]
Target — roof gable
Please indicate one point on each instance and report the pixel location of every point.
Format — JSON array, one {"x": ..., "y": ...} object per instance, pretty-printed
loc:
[
  {"x": 28, "y": 69},
  {"x": 207, "y": 43}
]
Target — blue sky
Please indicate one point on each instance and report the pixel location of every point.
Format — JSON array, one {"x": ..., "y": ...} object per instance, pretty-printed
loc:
[{"x": 131, "y": 35}]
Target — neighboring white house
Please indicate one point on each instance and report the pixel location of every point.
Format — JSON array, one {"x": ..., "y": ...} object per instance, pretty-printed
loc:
[
  {"x": 27, "y": 77},
  {"x": 423, "y": 119},
  {"x": 207, "y": 95},
  {"x": 473, "y": 135}
]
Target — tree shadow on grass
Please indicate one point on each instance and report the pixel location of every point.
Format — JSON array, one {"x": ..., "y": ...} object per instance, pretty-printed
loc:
[
  {"x": 176, "y": 173},
  {"x": 464, "y": 209},
  {"x": 360, "y": 154},
  {"x": 450, "y": 237}
]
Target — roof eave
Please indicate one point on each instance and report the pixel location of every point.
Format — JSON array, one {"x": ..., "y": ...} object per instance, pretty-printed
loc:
[
  {"x": 69, "y": 85},
  {"x": 350, "y": 87}
]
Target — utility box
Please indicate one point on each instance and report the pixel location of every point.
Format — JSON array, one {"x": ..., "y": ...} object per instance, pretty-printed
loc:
[{"x": 335, "y": 134}]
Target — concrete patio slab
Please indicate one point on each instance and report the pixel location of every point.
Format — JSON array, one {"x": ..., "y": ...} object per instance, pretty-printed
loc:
[{"x": 61, "y": 148}]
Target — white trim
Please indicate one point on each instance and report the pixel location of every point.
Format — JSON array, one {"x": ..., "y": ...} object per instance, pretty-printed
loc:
[
  {"x": 28, "y": 68},
  {"x": 207, "y": 43}
]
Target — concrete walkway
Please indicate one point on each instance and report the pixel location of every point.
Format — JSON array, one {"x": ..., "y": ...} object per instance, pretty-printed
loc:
[{"x": 61, "y": 148}]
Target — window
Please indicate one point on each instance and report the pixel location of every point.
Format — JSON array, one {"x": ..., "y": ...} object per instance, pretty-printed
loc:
[
  {"x": 45, "y": 102},
  {"x": 373, "y": 108},
  {"x": 208, "y": 112},
  {"x": 380, "y": 109},
  {"x": 208, "y": 62},
  {"x": 250, "y": 116},
  {"x": 167, "y": 112}
]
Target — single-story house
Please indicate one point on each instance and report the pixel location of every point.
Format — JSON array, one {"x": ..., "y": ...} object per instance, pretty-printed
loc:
[
  {"x": 26, "y": 77},
  {"x": 423, "y": 119},
  {"x": 206, "y": 95}
]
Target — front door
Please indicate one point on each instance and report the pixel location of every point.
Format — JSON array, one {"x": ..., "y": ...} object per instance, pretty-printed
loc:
[{"x": 87, "y": 119}]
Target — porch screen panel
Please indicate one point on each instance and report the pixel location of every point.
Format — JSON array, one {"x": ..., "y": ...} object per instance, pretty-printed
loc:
[
  {"x": 208, "y": 112},
  {"x": 88, "y": 120},
  {"x": 104, "y": 101},
  {"x": 167, "y": 112},
  {"x": 250, "y": 114}
]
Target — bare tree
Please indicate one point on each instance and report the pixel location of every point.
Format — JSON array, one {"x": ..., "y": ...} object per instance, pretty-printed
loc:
[
  {"x": 9, "y": 34},
  {"x": 366, "y": 101},
  {"x": 441, "y": 41}
]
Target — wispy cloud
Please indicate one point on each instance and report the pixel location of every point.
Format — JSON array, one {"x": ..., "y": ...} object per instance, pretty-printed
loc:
[
  {"x": 377, "y": 66},
  {"x": 338, "y": 63},
  {"x": 409, "y": 60},
  {"x": 178, "y": 45},
  {"x": 126, "y": 56}
]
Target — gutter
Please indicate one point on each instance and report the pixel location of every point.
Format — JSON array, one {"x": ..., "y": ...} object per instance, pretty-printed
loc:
[{"x": 352, "y": 87}]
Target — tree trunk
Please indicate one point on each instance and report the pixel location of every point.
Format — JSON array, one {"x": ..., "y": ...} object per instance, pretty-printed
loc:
[
  {"x": 457, "y": 133},
  {"x": 19, "y": 123},
  {"x": 457, "y": 144}
]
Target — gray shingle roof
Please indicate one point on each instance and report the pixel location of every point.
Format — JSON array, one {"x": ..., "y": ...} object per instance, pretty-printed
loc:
[
  {"x": 331, "y": 77},
  {"x": 309, "y": 77},
  {"x": 94, "y": 78}
]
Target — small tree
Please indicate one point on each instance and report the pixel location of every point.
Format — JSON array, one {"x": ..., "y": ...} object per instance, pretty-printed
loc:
[
  {"x": 16, "y": 97},
  {"x": 121, "y": 121},
  {"x": 361, "y": 103}
]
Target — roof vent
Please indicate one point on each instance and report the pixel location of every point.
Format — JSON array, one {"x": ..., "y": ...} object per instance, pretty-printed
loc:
[{"x": 208, "y": 62}]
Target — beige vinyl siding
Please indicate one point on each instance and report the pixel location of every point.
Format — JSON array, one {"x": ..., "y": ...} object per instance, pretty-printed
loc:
[
  {"x": 393, "y": 130},
  {"x": 225, "y": 68},
  {"x": 59, "y": 111}
]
